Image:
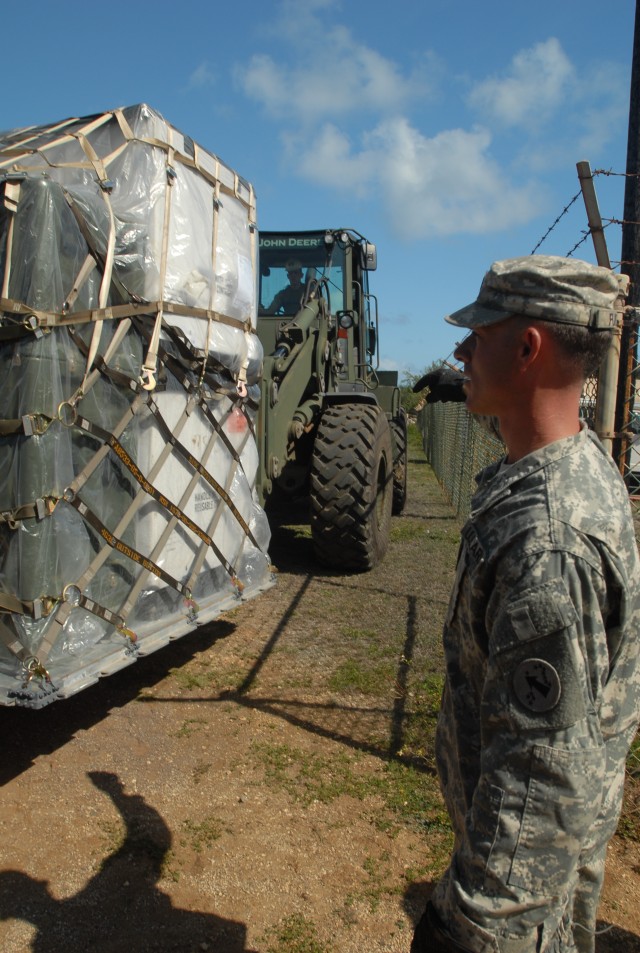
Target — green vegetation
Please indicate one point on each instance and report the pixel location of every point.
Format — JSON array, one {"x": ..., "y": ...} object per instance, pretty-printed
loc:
[
  {"x": 405, "y": 793},
  {"x": 295, "y": 934},
  {"x": 350, "y": 675},
  {"x": 204, "y": 833}
]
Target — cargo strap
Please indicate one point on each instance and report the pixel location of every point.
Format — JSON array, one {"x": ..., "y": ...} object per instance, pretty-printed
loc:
[
  {"x": 74, "y": 596},
  {"x": 33, "y": 319},
  {"x": 149, "y": 369},
  {"x": 217, "y": 515},
  {"x": 170, "y": 438},
  {"x": 96, "y": 431},
  {"x": 204, "y": 473},
  {"x": 88, "y": 266},
  {"x": 38, "y": 510},
  {"x": 32, "y": 666},
  {"x": 41, "y": 608},
  {"x": 30, "y": 425},
  {"x": 36, "y": 608},
  {"x": 45, "y": 506},
  {"x": 64, "y": 610},
  {"x": 11, "y": 199},
  {"x": 116, "y": 543},
  {"x": 23, "y": 148},
  {"x": 105, "y": 263},
  {"x": 13, "y": 644},
  {"x": 36, "y": 424},
  {"x": 178, "y": 371}
]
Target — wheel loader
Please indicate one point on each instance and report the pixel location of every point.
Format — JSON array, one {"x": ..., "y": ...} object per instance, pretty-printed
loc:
[{"x": 330, "y": 427}]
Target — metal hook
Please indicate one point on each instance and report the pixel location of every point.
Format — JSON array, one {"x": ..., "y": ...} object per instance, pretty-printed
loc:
[{"x": 147, "y": 378}]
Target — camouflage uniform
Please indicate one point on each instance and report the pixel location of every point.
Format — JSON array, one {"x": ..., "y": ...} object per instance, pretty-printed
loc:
[
  {"x": 540, "y": 705},
  {"x": 541, "y": 699}
]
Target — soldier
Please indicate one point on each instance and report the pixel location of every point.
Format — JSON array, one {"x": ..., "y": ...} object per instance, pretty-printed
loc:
[
  {"x": 542, "y": 689},
  {"x": 288, "y": 299}
]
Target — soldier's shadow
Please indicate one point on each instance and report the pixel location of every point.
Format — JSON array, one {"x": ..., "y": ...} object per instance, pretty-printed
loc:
[{"x": 120, "y": 908}]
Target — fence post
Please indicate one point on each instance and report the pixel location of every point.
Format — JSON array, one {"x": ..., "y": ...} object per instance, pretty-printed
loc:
[{"x": 609, "y": 370}]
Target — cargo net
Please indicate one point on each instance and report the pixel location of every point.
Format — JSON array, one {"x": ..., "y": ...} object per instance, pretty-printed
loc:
[{"x": 128, "y": 453}]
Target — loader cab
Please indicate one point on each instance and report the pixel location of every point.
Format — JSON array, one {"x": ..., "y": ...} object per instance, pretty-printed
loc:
[
  {"x": 297, "y": 267},
  {"x": 293, "y": 268}
]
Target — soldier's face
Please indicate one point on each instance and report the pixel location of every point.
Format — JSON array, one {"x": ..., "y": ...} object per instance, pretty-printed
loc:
[{"x": 489, "y": 359}]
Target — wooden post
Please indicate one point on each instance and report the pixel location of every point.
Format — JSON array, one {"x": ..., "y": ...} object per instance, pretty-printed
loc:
[{"x": 609, "y": 371}]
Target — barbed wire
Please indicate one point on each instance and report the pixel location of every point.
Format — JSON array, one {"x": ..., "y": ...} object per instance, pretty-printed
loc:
[
  {"x": 624, "y": 175},
  {"x": 559, "y": 218},
  {"x": 606, "y": 222}
]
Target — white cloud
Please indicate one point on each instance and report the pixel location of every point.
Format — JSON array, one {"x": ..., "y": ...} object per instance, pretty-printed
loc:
[
  {"x": 561, "y": 115},
  {"x": 536, "y": 84},
  {"x": 330, "y": 161},
  {"x": 444, "y": 185},
  {"x": 328, "y": 74},
  {"x": 201, "y": 76},
  {"x": 344, "y": 115}
]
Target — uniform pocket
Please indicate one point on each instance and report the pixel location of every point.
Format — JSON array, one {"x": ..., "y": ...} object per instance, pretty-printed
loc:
[{"x": 562, "y": 803}]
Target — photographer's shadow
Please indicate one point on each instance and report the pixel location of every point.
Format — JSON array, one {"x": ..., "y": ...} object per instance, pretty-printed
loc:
[{"x": 121, "y": 907}]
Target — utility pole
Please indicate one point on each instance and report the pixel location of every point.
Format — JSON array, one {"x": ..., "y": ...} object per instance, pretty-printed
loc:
[{"x": 630, "y": 256}]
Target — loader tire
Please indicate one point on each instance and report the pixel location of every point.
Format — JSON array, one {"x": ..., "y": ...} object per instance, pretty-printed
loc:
[
  {"x": 351, "y": 487},
  {"x": 399, "y": 432}
]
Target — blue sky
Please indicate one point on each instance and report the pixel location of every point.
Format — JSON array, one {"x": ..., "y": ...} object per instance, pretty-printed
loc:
[{"x": 445, "y": 132}]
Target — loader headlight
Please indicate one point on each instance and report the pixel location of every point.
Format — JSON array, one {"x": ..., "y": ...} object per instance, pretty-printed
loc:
[{"x": 345, "y": 319}]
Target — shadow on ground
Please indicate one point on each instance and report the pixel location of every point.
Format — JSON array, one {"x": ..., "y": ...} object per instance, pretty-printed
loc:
[
  {"x": 145, "y": 919},
  {"x": 28, "y": 734}
]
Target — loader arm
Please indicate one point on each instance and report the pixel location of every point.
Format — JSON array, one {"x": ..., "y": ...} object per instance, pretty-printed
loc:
[{"x": 294, "y": 379}]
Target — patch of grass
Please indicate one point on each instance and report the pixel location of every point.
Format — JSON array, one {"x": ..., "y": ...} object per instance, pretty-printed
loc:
[
  {"x": 187, "y": 679},
  {"x": 407, "y": 530},
  {"x": 188, "y": 726},
  {"x": 203, "y": 834},
  {"x": 114, "y": 834},
  {"x": 372, "y": 642},
  {"x": 415, "y": 795},
  {"x": 414, "y": 439},
  {"x": 408, "y": 795},
  {"x": 307, "y": 777},
  {"x": 354, "y": 676},
  {"x": 201, "y": 676},
  {"x": 168, "y": 867},
  {"x": 353, "y": 633},
  {"x": 376, "y": 886},
  {"x": 300, "y": 530},
  {"x": 295, "y": 934},
  {"x": 419, "y": 724}
]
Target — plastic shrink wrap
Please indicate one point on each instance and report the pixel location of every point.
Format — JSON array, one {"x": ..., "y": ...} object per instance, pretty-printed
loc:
[{"x": 129, "y": 382}]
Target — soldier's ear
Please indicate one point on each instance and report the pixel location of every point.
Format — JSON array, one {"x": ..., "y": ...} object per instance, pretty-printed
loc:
[{"x": 530, "y": 344}]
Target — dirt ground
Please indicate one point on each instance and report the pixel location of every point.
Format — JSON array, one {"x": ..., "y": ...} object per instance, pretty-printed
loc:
[{"x": 263, "y": 784}]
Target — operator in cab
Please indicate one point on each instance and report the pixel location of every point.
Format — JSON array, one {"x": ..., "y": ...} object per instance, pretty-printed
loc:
[{"x": 287, "y": 301}]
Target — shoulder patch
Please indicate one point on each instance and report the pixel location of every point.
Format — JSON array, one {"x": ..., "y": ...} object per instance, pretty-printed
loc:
[{"x": 537, "y": 685}]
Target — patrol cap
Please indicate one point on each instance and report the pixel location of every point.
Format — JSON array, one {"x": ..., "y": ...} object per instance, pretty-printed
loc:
[
  {"x": 293, "y": 265},
  {"x": 549, "y": 288}
]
